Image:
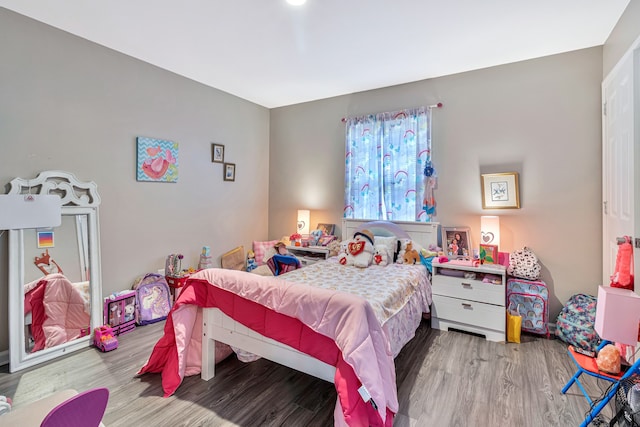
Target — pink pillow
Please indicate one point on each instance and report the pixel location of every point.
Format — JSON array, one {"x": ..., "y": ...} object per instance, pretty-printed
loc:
[{"x": 261, "y": 248}]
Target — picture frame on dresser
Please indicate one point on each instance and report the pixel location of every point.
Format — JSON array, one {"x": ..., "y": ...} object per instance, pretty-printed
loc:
[
  {"x": 488, "y": 254},
  {"x": 456, "y": 242}
]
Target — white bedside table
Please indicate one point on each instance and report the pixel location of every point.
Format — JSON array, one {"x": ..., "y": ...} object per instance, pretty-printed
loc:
[
  {"x": 309, "y": 254},
  {"x": 468, "y": 303}
]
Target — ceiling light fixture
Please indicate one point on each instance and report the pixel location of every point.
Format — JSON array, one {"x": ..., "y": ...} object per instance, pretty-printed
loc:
[{"x": 296, "y": 2}]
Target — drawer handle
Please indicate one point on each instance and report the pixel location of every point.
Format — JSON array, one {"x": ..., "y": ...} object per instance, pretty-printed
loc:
[
  {"x": 466, "y": 305},
  {"x": 466, "y": 285}
]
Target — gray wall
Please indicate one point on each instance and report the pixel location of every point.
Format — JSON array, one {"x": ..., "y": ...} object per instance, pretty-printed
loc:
[
  {"x": 68, "y": 104},
  {"x": 540, "y": 118}
]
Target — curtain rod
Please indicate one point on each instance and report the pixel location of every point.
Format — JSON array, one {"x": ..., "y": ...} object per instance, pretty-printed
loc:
[{"x": 438, "y": 105}]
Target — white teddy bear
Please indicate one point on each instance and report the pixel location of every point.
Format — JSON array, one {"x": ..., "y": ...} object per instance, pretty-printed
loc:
[
  {"x": 381, "y": 255},
  {"x": 359, "y": 250}
]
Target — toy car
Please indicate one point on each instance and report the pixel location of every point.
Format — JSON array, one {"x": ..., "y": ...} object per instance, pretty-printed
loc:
[{"x": 103, "y": 338}]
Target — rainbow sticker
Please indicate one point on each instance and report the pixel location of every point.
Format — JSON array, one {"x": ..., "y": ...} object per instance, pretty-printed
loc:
[{"x": 45, "y": 239}]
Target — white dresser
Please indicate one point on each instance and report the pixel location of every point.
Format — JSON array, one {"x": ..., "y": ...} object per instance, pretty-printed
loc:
[{"x": 469, "y": 303}]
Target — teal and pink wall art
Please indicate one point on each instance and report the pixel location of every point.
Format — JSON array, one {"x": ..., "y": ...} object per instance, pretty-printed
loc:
[{"x": 157, "y": 160}]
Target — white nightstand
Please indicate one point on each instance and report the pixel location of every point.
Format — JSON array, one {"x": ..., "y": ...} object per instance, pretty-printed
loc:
[
  {"x": 468, "y": 303},
  {"x": 309, "y": 254}
]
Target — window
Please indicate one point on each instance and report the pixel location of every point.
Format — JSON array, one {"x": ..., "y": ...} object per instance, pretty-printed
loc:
[{"x": 386, "y": 155}]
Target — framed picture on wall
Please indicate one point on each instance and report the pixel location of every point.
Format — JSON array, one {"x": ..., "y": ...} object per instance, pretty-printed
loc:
[
  {"x": 500, "y": 190},
  {"x": 217, "y": 153},
  {"x": 229, "y": 171},
  {"x": 456, "y": 242}
]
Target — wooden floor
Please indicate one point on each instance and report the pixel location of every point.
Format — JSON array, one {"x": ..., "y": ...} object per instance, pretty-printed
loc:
[{"x": 444, "y": 379}]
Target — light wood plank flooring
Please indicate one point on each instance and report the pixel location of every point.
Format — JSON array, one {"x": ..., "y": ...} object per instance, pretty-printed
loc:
[{"x": 444, "y": 379}]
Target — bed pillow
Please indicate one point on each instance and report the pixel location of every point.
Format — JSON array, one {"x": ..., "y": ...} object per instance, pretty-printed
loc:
[
  {"x": 260, "y": 249},
  {"x": 389, "y": 242}
]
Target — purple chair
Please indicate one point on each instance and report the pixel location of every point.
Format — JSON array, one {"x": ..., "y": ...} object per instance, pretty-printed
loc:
[{"x": 85, "y": 409}]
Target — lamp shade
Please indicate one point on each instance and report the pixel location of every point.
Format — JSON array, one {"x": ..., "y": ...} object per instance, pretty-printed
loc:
[
  {"x": 303, "y": 221},
  {"x": 617, "y": 315},
  {"x": 490, "y": 230}
]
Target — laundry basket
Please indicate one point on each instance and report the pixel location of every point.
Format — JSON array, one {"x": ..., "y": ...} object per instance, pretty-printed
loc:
[{"x": 627, "y": 403}]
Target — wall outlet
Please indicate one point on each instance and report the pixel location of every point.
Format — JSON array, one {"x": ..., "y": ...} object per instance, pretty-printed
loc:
[
  {"x": 637, "y": 242},
  {"x": 161, "y": 271}
]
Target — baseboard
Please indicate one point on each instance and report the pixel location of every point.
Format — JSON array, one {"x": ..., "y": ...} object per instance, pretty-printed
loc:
[{"x": 4, "y": 357}]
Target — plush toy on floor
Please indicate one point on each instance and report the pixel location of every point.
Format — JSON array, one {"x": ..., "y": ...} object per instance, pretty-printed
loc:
[{"x": 5, "y": 404}]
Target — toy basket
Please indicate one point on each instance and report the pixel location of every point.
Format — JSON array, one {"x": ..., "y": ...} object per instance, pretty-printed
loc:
[
  {"x": 103, "y": 338},
  {"x": 627, "y": 404}
]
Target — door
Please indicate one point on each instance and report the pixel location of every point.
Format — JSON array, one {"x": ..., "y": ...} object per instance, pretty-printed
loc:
[{"x": 618, "y": 165}]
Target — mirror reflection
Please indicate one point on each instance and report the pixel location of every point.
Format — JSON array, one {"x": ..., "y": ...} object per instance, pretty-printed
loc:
[{"x": 57, "y": 304}]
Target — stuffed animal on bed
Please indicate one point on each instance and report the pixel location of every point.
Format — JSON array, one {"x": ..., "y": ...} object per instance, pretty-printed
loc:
[
  {"x": 411, "y": 255},
  {"x": 380, "y": 255},
  {"x": 359, "y": 250}
]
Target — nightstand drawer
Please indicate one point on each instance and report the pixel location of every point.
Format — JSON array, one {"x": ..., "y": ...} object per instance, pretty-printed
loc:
[
  {"x": 469, "y": 312},
  {"x": 468, "y": 289}
]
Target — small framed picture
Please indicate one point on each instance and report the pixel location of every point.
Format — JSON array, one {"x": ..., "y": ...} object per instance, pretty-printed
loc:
[
  {"x": 488, "y": 254},
  {"x": 456, "y": 242},
  {"x": 500, "y": 190},
  {"x": 327, "y": 229},
  {"x": 217, "y": 153},
  {"x": 229, "y": 171},
  {"x": 325, "y": 240}
]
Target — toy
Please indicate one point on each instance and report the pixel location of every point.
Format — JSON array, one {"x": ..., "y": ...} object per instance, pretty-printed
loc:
[
  {"x": 316, "y": 234},
  {"x": 334, "y": 247},
  {"x": 46, "y": 264},
  {"x": 359, "y": 250},
  {"x": 129, "y": 312},
  {"x": 103, "y": 338},
  {"x": 380, "y": 255},
  {"x": 5, "y": 404},
  {"x": 251, "y": 261},
  {"x": 119, "y": 311},
  {"x": 411, "y": 255}
]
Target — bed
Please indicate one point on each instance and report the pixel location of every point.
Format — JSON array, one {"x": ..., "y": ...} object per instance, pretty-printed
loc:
[{"x": 333, "y": 334}]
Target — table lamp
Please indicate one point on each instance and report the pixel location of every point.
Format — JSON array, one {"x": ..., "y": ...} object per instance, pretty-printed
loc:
[
  {"x": 617, "y": 315},
  {"x": 490, "y": 230},
  {"x": 303, "y": 221}
]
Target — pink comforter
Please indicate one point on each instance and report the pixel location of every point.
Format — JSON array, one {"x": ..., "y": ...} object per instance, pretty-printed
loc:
[
  {"x": 58, "y": 311},
  {"x": 346, "y": 319}
]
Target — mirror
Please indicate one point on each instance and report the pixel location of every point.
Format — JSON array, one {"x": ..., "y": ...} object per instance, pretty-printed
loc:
[{"x": 55, "y": 289}]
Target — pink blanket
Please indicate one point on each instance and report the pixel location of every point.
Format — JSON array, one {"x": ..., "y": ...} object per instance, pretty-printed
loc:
[
  {"x": 346, "y": 319},
  {"x": 58, "y": 311}
]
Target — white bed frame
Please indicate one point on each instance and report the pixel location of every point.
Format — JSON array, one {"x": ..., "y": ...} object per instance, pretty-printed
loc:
[{"x": 219, "y": 327}]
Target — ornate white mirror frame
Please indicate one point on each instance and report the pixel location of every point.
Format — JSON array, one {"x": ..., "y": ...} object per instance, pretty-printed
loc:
[{"x": 80, "y": 201}]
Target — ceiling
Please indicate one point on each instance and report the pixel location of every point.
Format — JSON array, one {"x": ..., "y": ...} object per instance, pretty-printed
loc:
[{"x": 274, "y": 54}]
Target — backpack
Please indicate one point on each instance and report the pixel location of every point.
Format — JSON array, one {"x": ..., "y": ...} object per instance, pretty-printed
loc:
[
  {"x": 575, "y": 323},
  {"x": 532, "y": 297},
  {"x": 524, "y": 263},
  {"x": 153, "y": 300}
]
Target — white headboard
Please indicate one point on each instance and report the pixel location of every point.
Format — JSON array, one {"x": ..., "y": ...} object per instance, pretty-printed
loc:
[{"x": 423, "y": 233}]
